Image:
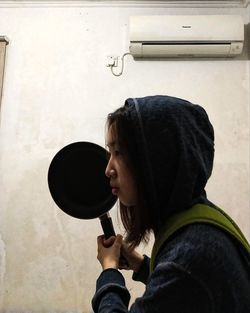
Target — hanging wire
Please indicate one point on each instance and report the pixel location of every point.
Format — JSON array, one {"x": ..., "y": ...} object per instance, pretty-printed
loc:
[{"x": 122, "y": 59}]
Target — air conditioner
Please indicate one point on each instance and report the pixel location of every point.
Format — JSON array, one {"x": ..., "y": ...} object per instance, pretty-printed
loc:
[{"x": 186, "y": 36}]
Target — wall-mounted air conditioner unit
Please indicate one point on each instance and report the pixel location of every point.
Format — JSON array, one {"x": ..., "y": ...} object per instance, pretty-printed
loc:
[{"x": 186, "y": 36}]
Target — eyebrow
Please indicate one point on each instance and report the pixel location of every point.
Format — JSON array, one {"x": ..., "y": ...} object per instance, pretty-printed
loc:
[{"x": 111, "y": 144}]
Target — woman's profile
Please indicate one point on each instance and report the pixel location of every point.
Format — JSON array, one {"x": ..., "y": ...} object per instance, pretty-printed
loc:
[{"x": 161, "y": 152}]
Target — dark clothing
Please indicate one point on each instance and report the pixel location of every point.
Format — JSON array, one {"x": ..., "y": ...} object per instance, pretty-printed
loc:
[
  {"x": 200, "y": 269},
  {"x": 173, "y": 153}
]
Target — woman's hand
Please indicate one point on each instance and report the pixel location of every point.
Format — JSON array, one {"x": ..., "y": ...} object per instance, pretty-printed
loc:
[
  {"x": 130, "y": 260},
  {"x": 109, "y": 251}
]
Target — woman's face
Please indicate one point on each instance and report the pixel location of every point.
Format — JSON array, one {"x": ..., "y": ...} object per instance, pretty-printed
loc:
[{"x": 121, "y": 179}]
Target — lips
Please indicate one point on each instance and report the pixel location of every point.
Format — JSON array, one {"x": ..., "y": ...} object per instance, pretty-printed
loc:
[
  {"x": 114, "y": 189},
  {"x": 113, "y": 185}
]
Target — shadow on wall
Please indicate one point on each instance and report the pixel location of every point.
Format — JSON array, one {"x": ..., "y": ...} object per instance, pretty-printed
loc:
[{"x": 246, "y": 49}]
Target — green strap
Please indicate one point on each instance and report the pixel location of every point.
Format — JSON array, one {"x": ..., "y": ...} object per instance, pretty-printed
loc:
[{"x": 199, "y": 213}]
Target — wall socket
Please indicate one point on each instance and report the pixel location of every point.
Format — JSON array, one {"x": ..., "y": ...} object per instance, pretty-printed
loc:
[{"x": 112, "y": 61}]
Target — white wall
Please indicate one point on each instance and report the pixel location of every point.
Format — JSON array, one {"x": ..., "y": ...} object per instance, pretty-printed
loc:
[{"x": 57, "y": 90}]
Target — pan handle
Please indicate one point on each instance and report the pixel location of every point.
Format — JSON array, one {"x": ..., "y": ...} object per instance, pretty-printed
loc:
[
  {"x": 108, "y": 229},
  {"x": 107, "y": 225}
]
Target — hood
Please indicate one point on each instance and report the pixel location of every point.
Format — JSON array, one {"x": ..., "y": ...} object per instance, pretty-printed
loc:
[{"x": 174, "y": 154}]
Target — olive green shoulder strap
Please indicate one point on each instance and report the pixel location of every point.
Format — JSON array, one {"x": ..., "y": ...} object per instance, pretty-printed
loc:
[{"x": 199, "y": 213}]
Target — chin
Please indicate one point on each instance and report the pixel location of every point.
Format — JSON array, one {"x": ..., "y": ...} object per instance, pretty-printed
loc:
[{"x": 126, "y": 203}]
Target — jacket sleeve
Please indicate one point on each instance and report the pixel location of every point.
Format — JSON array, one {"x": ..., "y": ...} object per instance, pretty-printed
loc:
[
  {"x": 143, "y": 273},
  {"x": 111, "y": 292},
  {"x": 170, "y": 289}
]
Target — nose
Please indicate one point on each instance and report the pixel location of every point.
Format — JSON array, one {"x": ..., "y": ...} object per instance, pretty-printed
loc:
[
  {"x": 110, "y": 171},
  {"x": 107, "y": 170}
]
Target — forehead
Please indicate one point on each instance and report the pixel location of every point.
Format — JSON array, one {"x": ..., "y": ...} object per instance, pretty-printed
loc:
[{"x": 111, "y": 136}]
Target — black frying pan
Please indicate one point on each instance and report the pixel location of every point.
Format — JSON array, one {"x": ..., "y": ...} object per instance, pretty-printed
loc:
[{"x": 78, "y": 184}]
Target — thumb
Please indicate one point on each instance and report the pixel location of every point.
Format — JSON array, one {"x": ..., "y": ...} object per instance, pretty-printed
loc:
[{"x": 108, "y": 242}]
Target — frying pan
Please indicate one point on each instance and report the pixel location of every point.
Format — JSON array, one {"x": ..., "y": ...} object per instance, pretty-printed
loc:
[{"x": 78, "y": 184}]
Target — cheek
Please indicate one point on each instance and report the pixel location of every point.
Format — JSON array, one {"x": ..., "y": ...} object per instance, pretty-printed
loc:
[
  {"x": 127, "y": 178},
  {"x": 128, "y": 184},
  {"x": 130, "y": 189}
]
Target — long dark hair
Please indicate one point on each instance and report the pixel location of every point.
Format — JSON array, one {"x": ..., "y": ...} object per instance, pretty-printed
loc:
[{"x": 137, "y": 220}]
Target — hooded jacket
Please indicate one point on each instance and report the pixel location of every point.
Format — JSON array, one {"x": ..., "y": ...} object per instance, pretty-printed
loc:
[
  {"x": 200, "y": 269},
  {"x": 175, "y": 151}
]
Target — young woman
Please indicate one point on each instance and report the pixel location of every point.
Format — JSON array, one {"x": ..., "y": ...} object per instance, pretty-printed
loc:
[{"x": 161, "y": 156}]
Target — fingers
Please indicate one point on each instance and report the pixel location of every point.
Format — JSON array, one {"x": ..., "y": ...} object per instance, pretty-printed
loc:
[
  {"x": 126, "y": 250},
  {"x": 100, "y": 239},
  {"x": 110, "y": 241},
  {"x": 118, "y": 239},
  {"x": 108, "y": 251}
]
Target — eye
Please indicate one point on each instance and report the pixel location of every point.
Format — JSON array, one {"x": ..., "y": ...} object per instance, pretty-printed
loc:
[
  {"x": 117, "y": 153},
  {"x": 108, "y": 154}
]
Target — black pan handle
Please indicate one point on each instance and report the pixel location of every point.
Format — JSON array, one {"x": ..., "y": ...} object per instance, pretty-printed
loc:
[
  {"x": 108, "y": 229},
  {"x": 107, "y": 225}
]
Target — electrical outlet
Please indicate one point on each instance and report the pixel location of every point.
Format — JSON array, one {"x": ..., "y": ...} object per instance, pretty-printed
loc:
[{"x": 112, "y": 61}]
